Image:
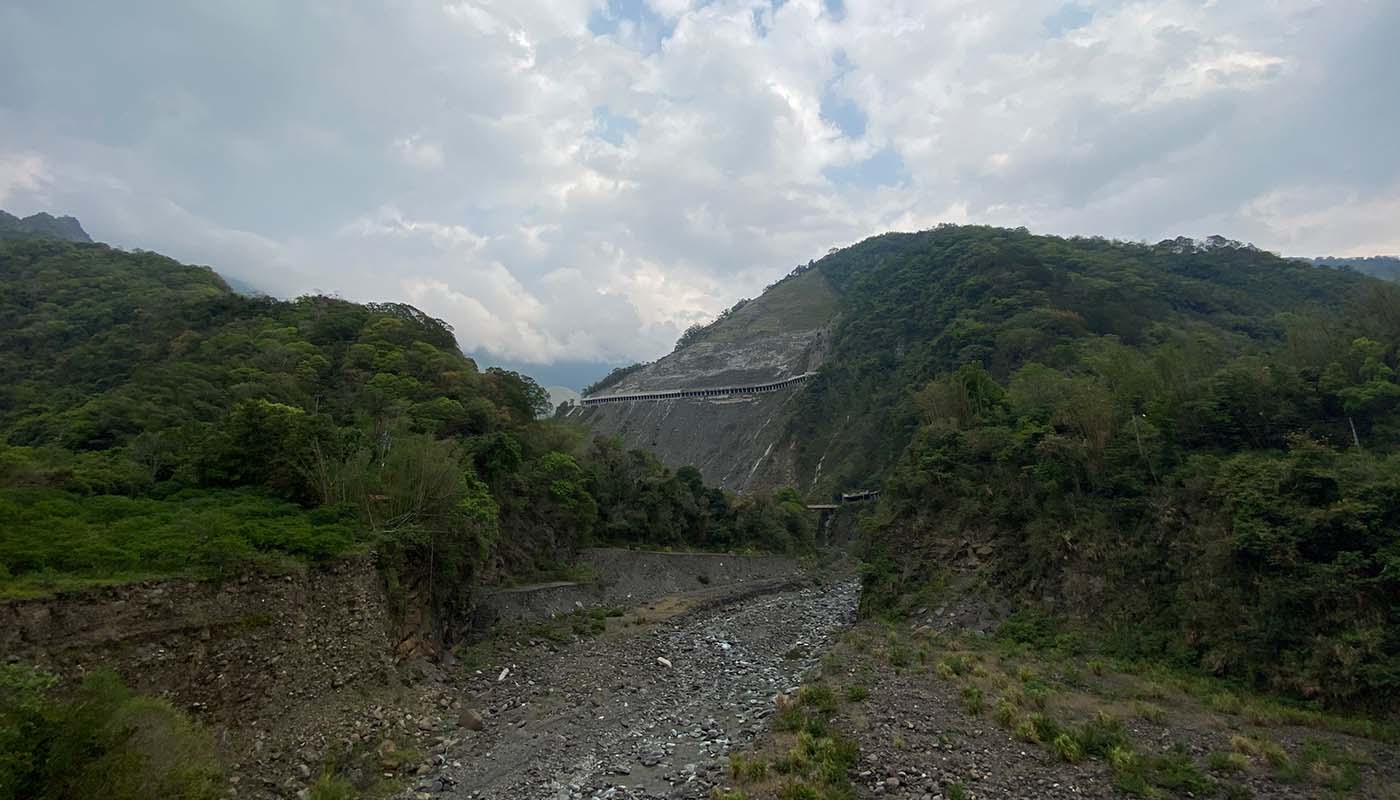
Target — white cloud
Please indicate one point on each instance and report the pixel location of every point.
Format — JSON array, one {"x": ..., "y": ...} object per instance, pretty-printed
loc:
[
  {"x": 418, "y": 153},
  {"x": 1327, "y": 220},
  {"x": 20, "y": 173},
  {"x": 453, "y": 155}
]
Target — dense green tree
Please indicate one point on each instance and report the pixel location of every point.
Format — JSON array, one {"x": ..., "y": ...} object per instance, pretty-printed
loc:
[{"x": 151, "y": 421}]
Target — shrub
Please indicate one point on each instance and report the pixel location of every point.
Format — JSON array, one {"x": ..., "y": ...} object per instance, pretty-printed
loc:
[
  {"x": 1100, "y": 736},
  {"x": 973, "y": 699},
  {"x": 1027, "y": 732},
  {"x": 106, "y": 743},
  {"x": 818, "y": 696},
  {"x": 1037, "y": 694},
  {"x": 747, "y": 769},
  {"x": 1266, "y": 749},
  {"x": 899, "y": 657},
  {"x": 1005, "y": 713},
  {"x": 1176, "y": 771},
  {"x": 1149, "y": 711},
  {"x": 330, "y": 787},
  {"x": 1129, "y": 771},
  {"x": 1228, "y": 762},
  {"x": 1067, "y": 748},
  {"x": 856, "y": 694}
]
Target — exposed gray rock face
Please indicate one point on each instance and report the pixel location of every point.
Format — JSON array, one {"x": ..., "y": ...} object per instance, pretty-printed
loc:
[
  {"x": 705, "y": 364},
  {"x": 42, "y": 226},
  {"x": 736, "y": 442}
]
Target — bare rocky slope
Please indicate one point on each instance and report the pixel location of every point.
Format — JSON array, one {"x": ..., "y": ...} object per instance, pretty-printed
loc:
[{"x": 738, "y": 442}]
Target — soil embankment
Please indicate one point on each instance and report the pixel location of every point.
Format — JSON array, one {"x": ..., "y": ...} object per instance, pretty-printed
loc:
[{"x": 626, "y": 578}]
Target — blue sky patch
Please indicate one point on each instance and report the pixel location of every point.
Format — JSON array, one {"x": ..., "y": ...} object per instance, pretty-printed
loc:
[
  {"x": 1070, "y": 17},
  {"x": 885, "y": 168},
  {"x": 610, "y": 127},
  {"x": 843, "y": 113},
  {"x": 840, "y": 111},
  {"x": 653, "y": 29}
]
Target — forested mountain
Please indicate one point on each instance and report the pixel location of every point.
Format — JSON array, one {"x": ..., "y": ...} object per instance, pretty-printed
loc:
[
  {"x": 152, "y": 422},
  {"x": 1189, "y": 446},
  {"x": 1384, "y": 267},
  {"x": 1192, "y": 444},
  {"x": 41, "y": 226}
]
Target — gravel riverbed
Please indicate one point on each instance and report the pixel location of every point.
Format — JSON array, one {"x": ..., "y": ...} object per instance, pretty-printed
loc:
[{"x": 646, "y": 712}]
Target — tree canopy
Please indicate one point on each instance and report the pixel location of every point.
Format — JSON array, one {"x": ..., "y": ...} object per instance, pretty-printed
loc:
[
  {"x": 154, "y": 422},
  {"x": 1189, "y": 446}
]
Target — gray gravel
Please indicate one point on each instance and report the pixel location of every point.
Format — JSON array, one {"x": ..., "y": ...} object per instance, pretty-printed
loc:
[{"x": 608, "y": 718}]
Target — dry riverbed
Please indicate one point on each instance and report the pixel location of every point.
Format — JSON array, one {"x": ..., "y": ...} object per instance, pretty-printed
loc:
[
  {"x": 650, "y": 708},
  {"x": 927, "y": 714}
]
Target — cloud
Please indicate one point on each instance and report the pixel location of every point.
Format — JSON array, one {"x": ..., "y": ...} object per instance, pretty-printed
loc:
[
  {"x": 576, "y": 180},
  {"x": 418, "y": 153},
  {"x": 20, "y": 173}
]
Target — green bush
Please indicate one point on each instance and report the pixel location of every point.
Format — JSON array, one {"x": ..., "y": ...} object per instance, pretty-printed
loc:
[
  {"x": 329, "y": 787},
  {"x": 973, "y": 699},
  {"x": 1067, "y": 748},
  {"x": 103, "y": 742}
]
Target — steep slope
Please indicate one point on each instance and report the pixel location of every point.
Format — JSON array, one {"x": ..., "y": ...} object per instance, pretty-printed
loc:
[
  {"x": 733, "y": 440},
  {"x": 41, "y": 226},
  {"x": 877, "y": 320},
  {"x": 1188, "y": 447},
  {"x": 915, "y": 306}
]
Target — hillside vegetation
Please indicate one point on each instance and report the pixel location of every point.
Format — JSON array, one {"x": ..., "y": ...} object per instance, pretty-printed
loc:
[
  {"x": 153, "y": 422},
  {"x": 1384, "y": 267},
  {"x": 1187, "y": 447}
]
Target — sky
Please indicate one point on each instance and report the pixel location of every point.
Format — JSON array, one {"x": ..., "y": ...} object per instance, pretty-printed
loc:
[{"x": 572, "y": 183}]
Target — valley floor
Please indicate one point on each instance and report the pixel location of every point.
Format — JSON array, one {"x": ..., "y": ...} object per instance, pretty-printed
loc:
[
  {"x": 649, "y": 709},
  {"x": 771, "y": 690},
  {"x": 949, "y": 714}
]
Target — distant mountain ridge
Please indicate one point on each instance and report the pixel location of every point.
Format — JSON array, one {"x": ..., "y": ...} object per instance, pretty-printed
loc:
[
  {"x": 1383, "y": 267},
  {"x": 42, "y": 226}
]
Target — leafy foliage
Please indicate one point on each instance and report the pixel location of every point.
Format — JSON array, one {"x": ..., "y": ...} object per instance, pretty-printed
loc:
[
  {"x": 154, "y": 422},
  {"x": 1193, "y": 445},
  {"x": 613, "y": 378},
  {"x": 1385, "y": 267},
  {"x": 917, "y": 306},
  {"x": 103, "y": 742}
]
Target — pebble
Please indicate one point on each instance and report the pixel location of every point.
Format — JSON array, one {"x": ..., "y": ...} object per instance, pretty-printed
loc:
[{"x": 612, "y": 726}]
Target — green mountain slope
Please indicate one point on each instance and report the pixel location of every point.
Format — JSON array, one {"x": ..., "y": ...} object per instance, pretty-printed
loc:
[
  {"x": 914, "y": 306},
  {"x": 152, "y": 422},
  {"x": 1189, "y": 447},
  {"x": 1384, "y": 267},
  {"x": 41, "y": 226}
]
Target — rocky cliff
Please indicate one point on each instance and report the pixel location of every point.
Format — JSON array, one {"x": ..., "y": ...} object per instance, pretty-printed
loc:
[{"x": 738, "y": 441}]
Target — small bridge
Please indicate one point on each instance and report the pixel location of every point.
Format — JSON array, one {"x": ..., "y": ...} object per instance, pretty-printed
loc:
[{"x": 681, "y": 394}]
